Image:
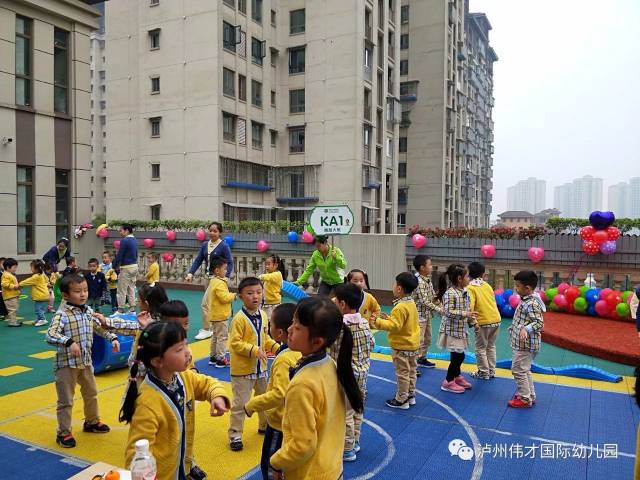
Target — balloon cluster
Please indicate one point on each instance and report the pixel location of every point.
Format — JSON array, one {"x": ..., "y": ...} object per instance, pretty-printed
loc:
[
  {"x": 507, "y": 301},
  {"x": 600, "y": 236},
  {"x": 588, "y": 301}
]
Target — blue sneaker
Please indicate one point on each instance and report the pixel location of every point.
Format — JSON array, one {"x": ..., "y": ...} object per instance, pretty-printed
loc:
[
  {"x": 349, "y": 456},
  {"x": 356, "y": 447}
]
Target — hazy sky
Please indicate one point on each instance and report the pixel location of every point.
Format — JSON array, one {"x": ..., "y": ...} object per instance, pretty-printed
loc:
[{"x": 567, "y": 89}]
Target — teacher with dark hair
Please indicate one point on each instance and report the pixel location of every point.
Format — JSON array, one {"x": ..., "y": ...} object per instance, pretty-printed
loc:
[{"x": 56, "y": 253}]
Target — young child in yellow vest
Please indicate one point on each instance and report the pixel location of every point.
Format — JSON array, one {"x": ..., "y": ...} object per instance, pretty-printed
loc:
[
  {"x": 39, "y": 283},
  {"x": 219, "y": 305},
  {"x": 272, "y": 281}
]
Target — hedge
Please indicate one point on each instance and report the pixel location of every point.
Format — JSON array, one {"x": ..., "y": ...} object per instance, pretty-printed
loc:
[{"x": 245, "y": 226}]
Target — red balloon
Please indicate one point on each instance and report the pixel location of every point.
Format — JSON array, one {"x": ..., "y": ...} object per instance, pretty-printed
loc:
[
  {"x": 600, "y": 237},
  {"x": 613, "y": 299},
  {"x": 604, "y": 293},
  {"x": 602, "y": 309},
  {"x": 572, "y": 293},
  {"x": 590, "y": 247},
  {"x": 587, "y": 232},
  {"x": 613, "y": 233}
]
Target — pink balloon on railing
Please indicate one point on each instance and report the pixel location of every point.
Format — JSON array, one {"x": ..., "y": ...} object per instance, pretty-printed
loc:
[
  {"x": 488, "y": 250},
  {"x": 262, "y": 246},
  {"x": 307, "y": 237},
  {"x": 514, "y": 300},
  {"x": 171, "y": 235},
  {"x": 116, "y": 244},
  {"x": 418, "y": 240},
  {"x": 201, "y": 235},
  {"x": 149, "y": 242},
  {"x": 104, "y": 233},
  {"x": 536, "y": 254},
  {"x": 168, "y": 257}
]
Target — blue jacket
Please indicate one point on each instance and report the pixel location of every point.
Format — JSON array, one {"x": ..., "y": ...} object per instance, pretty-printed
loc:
[
  {"x": 97, "y": 284},
  {"x": 52, "y": 257},
  {"x": 222, "y": 250},
  {"x": 127, "y": 253}
]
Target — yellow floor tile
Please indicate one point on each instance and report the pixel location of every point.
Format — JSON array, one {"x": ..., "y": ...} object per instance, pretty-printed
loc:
[
  {"x": 13, "y": 370},
  {"x": 44, "y": 355}
]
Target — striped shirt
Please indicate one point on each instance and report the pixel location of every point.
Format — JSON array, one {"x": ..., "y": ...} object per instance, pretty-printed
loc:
[
  {"x": 528, "y": 315},
  {"x": 74, "y": 324},
  {"x": 424, "y": 296},
  {"x": 363, "y": 343},
  {"x": 456, "y": 303}
]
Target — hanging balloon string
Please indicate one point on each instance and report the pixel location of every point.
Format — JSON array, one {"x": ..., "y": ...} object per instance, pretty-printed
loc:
[{"x": 575, "y": 268}]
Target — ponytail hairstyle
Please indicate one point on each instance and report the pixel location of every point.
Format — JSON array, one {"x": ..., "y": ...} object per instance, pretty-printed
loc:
[
  {"x": 323, "y": 319},
  {"x": 279, "y": 263},
  {"x": 361, "y": 272},
  {"x": 38, "y": 266},
  {"x": 154, "y": 295},
  {"x": 154, "y": 341},
  {"x": 453, "y": 274}
]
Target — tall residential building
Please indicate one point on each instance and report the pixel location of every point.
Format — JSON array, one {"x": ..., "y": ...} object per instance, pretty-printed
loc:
[
  {"x": 98, "y": 119},
  {"x": 45, "y": 123},
  {"x": 579, "y": 198},
  {"x": 446, "y": 68},
  {"x": 255, "y": 110},
  {"x": 624, "y": 198},
  {"x": 528, "y": 195}
]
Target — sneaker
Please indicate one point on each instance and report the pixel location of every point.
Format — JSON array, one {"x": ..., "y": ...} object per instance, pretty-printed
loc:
[
  {"x": 349, "y": 456},
  {"x": 411, "y": 400},
  {"x": 66, "y": 441},
  {"x": 451, "y": 387},
  {"x": 14, "y": 324},
  {"x": 40, "y": 323},
  {"x": 393, "y": 403},
  {"x": 533, "y": 399},
  {"x": 518, "y": 403},
  {"x": 492, "y": 374},
  {"x": 418, "y": 373},
  {"x": 50, "y": 309},
  {"x": 96, "y": 427},
  {"x": 356, "y": 447},
  {"x": 196, "y": 473},
  {"x": 203, "y": 334},
  {"x": 424, "y": 363},
  {"x": 460, "y": 380},
  {"x": 236, "y": 445},
  {"x": 480, "y": 376}
]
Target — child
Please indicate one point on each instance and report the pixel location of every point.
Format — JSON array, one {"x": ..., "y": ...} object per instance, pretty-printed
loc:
[
  {"x": 175, "y": 311},
  {"x": 3, "y": 309},
  {"x": 71, "y": 330},
  {"x": 404, "y": 338},
  {"x": 72, "y": 266},
  {"x": 162, "y": 409},
  {"x": 456, "y": 313},
  {"x": 219, "y": 311},
  {"x": 53, "y": 279},
  {"x": 348, "y": 300},
  {"x": 369, "y": 306},
  {"x": 11, "y": 292},
  {"x": 153, "y": 273},
  {"x": 424, "y": 296},
  {"x": 272, "y": 281},
  {"x": 112, "y": 287},
  {"x": 39, "y": 284},
  {"x": 249, "y": 343},
  {"x": 97, "y": 284},
  {"x": 483, "y": 300},
  {"x": 525, "y": 334},
  {"x": 314, "y": 411},
  {"x": 105, "y": 267},
  {"x": 272, "y": 402}
]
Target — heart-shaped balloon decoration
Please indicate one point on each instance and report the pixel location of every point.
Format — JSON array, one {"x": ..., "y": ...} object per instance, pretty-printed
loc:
[{"x": 601, "y": 220}]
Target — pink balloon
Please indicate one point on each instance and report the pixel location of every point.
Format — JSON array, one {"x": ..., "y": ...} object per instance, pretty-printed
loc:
[
  {"x": 201, "y": 235},
  {"x": 149, "y": 242},
  {"x": 602, "y": 308},
  {"x": 116, "y": 244},
  {"x": 499, "y": 291},
  {"x": 560, "y": 301},
  {"x": 418, "y": 241},
  {"x": 171, "y": 235},
  {"x": 604, "y": 293},
  {"x": 168, "y": 257},
  {"x": 514, "y": 300},
  {"x": 488, "y": 250},
  {"x": 307, "y": 237},
  {"x": 262, "y": 246},
  {"x": 104, "y": 233},
  {"x": 542, "y": 295},
  {"x": 562, "y": 288},
  {"x": 536, "y": 254}
]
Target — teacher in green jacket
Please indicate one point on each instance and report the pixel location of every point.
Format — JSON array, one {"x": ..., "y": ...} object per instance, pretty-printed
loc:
[{"x": 330, "y": 261}]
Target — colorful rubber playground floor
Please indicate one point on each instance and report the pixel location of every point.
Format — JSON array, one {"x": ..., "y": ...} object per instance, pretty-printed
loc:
[{"x": 579, "y": 428}]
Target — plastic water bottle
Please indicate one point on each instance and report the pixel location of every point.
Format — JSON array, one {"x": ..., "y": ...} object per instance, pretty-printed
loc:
[{"x": 143, "y": 466}]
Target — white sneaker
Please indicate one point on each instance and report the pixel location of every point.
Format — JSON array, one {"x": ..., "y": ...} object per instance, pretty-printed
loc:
[
  {"x": 40, "y": 323},
  {"x": 203, "y": 334}
]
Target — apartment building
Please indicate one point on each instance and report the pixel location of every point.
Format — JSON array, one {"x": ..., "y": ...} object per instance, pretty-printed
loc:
[
  {"x": 253, "y": 109},
  {"x": 529, "y": 195},
  {"x": 624, "y": 198},
  {"x": 98, "y": 75},
  {"x": 45, "y": 123},
  {"x": 578, "y": 198},
  {"x": 446, "y": 132}
]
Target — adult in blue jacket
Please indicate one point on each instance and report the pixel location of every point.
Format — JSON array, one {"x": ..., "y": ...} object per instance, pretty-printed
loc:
[
  {"x": 56, "y": 253},
  {"x": 126, "y": 264},
  {"x": 214, "y": 247}
]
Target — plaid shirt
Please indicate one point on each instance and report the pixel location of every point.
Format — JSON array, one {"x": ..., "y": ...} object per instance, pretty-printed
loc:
[
  {"x": 456, "y": 303},
  {"x": 528, "y": 315},
  {"x": 74, "y": 324},
  {"x": 424, "y": 296},
  {"x": 363, "y": 343}
]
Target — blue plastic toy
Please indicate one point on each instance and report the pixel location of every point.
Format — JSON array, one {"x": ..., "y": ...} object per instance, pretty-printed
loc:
[
  {"x": 102, "y": 355},
  {"x": 293, "y": 291}
]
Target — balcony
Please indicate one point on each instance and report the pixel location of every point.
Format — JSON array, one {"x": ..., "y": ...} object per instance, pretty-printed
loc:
[
  {"x": 297, "y": 185},
  {"x": 370, "y": 177}
]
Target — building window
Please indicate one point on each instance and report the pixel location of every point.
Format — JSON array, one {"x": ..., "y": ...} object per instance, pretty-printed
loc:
[
  {"x": 155, "y": 126},
  {"x": 63, "y": 202},
  {"x": 258, "y": 50},
  {"x": 155, "y": 171},
  {"x": 296, "y": 21},
  {"x": 229, "y": 39},
  {"x": 153, "y": 3},
  {"x": 155, "y": 212},
  {"x": 242, "y": 6},
  {"x": 402, "y": 170},
  {"x": 242, "y": 87},
  {"x": 273, "y": 98},
  {"x": 274, "y": 56},
  {"x": 296, "y": 60},
  {"x": 404, "y": 67},
  {"x": 252, "y": 176},
  {"x": 296, "y": 140},
  {"x": 256, "y": 135},
  {"x": 403, "y": 195},
  {"x": 228, "y": 127},
  {"x": 404, "y": 14},
  {"x": 296, "y": 101},
  {"x": 404, "y": 41},
  {"x": 256, "y": 10},
  {"x": 24, "y": 71},
  {"x": 273, "y": 18},
  {"x": 402, "y": 146},
  {"x": 256, "y": 93},
  {"x": 230, "y": 3},
  {"x": 229, "y": 82},
  {"x": 25, "y": 204},
  {"x": 104, "y": 149},
  {"x": 154, "y": 39},
  {"x": 274, "y": 137},
  {"x": 60, "y": 71},
  {"x": 155, "y": 84},
  {"x": 402, "y": 219}
]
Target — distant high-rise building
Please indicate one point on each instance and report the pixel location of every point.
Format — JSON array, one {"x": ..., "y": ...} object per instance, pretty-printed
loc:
[
  {"x": 579, "y": 198},
  {"x": 527, "y": 195},
  {"x": 624, "y": 198},
  {"x": 634, "y": 198}
]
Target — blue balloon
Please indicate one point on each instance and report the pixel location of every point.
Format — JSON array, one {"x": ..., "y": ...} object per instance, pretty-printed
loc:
[
  {"x": 591, "y": 310},
  {"x": 507, "y": 311},
  {"x": 229, "y": 241},
  {"x": 592, "y": 295},
  {"x": 507, "y": 293},
  {"x": 292, "y": 237},
  {"x": 500, "y": 302}
]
